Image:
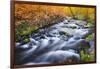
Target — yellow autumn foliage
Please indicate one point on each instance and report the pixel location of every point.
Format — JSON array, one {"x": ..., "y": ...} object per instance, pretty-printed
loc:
[{"x": 33, "y": 14}]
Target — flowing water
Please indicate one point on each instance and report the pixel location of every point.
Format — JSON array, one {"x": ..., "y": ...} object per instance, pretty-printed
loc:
[{"x": 58, "y": 43}]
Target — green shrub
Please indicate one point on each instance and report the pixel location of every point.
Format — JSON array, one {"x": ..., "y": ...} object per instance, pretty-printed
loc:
[
  {"x": 24, "y": 29},
  {"x": 90, "y": 25},
  {"x": 80, "y": 17},
  {"x": 21, "y": 27},
  {"x": 86, "y": 57},
  {"x": 89, "y": 37}
]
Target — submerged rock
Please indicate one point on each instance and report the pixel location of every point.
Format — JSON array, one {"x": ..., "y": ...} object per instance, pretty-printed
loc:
[
  {"x": 58, "y": 56},
  {"x": 76, "y": 45}
]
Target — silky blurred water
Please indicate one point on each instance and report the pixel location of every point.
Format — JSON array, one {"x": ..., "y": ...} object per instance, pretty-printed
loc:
[{"x": 58, "y": 43}]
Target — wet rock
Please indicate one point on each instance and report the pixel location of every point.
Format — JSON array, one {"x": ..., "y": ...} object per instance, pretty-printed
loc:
[
  {"x": 76, "y": 45},
  {"x": 58, "y": 57}
]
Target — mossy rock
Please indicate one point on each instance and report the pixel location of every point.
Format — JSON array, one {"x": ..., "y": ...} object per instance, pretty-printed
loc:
[
  {"x": 35, "y": 31},
  {"x": 62, "y": 33},
  {"x": 65, "y": 34},
  {"x": 26, "y": 40},
  {"x": 74, "y": 27}
]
